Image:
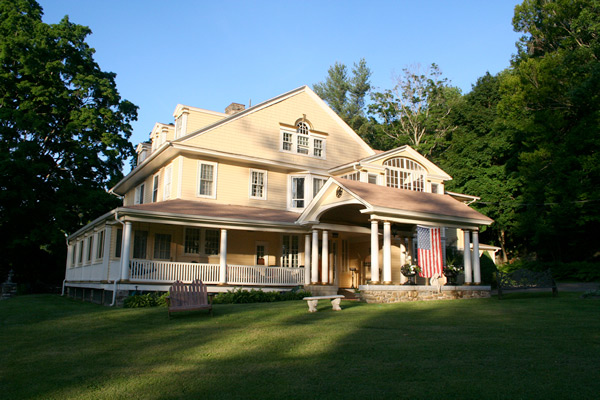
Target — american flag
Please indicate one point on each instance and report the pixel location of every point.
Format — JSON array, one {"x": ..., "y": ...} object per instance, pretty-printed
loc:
[{"x": 429, "y": 244}]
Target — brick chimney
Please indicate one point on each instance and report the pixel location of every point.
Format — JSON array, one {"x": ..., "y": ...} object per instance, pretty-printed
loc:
[{"x": 234, "y": 108}]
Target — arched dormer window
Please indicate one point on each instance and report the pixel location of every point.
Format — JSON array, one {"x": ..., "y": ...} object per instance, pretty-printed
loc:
[
  {"x": 404, "y": 173},
  {"x": 303, "y": 138}
]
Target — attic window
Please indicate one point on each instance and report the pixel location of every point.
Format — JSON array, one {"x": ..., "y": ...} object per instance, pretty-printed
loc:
[
  {"x": 404, "y": 173},
  {"x": 302, "y": 141}
]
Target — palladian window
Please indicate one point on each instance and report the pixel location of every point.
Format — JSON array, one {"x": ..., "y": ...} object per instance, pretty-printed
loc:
[{"x": 404, "y": 173}]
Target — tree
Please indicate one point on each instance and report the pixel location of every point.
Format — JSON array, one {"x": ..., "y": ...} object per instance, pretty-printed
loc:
[
  {"x": 416, "y": 111},
  {"x": 345, "y": 94},
  {"x": 64, "y": 137},
  {"x": 551, "y": 106}
]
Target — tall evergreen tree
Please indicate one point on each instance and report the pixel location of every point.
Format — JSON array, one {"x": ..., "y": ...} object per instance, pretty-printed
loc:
[{"x": 64, "y": 133}]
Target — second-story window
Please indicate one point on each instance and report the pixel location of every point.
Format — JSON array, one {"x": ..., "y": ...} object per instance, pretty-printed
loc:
[
  {"x": 207, "y": 179},
  {"x": 139, "y": 194},
  {"x": 404, "y": 173},
  {"x": 155, "y": 189},
  {"x": 258, "y": 184},
  {"x": 298, "y": 192}
]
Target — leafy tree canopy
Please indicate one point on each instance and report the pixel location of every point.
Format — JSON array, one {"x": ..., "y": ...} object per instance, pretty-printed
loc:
[{"x": 64, "y": 133}]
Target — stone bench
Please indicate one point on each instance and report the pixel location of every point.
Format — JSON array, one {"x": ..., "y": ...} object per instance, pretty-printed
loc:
[
  {"x": 314, "y": 300},
  {"x": 525, "y": 279}
]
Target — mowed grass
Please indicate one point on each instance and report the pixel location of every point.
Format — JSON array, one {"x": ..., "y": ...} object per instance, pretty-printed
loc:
[{"x": 526, "y": 346}]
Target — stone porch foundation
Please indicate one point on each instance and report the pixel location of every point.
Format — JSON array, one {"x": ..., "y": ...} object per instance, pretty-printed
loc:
[{"x": 402, "y": 293}]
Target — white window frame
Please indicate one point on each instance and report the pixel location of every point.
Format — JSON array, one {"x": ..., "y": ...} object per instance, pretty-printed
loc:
[
  {"x": 168, "y": 182},
  {"x": 294, "y": 143},
  {"x": 264, "y": 184},
  {"x": 139, "y": 195},
  {"x": 214, "y": 181},
  {"x": 266, "y": 255},
  {"x": 291, "y": 192},
  {"x": 312, "y": 188},
  {"x": 155, "y": 186},
  {"x": 100, "y": 244}
]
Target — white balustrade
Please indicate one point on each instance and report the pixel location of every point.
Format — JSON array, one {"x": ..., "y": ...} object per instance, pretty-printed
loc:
[
  {"x": 259, "y": 275},
  {"x": 165, "y": 271}
]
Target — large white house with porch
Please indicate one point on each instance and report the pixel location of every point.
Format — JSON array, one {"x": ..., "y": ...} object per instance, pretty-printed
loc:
[{"x": 275, "y": 196}]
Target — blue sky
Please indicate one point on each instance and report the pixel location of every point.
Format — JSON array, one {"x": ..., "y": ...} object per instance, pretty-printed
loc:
[{"x": 208, "y": 54}]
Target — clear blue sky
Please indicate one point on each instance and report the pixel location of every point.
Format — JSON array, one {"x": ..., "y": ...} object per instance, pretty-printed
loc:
[{"x": 208, "y": 54}]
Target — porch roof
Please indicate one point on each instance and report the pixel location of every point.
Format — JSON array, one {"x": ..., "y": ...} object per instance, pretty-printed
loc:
[
  {"x": 210, "y": 210},
  {"x": 407, "y": 200}
]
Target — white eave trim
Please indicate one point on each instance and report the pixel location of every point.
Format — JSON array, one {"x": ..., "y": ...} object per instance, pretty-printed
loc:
[{"x": 92, "y": 225}]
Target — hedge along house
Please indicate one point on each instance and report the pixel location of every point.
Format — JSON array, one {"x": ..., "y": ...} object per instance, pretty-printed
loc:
[{"x": 275, "y": 196}]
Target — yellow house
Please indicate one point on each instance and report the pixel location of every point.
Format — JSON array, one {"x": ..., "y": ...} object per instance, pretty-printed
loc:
[{"x": 279, "y": 195}]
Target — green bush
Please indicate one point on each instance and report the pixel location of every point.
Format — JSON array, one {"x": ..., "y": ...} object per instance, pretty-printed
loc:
[
  {"x": 488, "y": 269},
  {"x": 146, "y": 300},
  {"x": 574, "y": 271},
  {"x": 238, "y": 296}
]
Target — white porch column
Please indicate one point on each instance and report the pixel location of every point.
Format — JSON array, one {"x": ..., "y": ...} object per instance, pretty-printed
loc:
[
  {"x": 476, "y": 267},
  {"x": 314, "y": 265},
  {"x": 307, "y": 270},
  {"x": 125, "y": 247},
  {"x": 223, "y": 258},
  {"x": 467, "y": 258},
  {"x": 387, "y": 253},
  {"x": 375, "y": 251},
  {"x": 403, "y": 258},
  {"x": 325, "y": 258}
]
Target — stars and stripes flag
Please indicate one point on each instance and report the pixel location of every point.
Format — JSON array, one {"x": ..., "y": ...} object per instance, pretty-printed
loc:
[{"x": 429, "y": 245}]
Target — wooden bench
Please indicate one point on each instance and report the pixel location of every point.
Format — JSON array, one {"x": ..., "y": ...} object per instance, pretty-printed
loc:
[
  {"x": 525, "y": 279},
  {"x": 314, "y": 300},
  {"x": 189, "y": 297}
]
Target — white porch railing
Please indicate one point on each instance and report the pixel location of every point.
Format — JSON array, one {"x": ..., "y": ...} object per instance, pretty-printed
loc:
[
  {"x": 165, "y": 271},
  {"x": 257, "y": 275}
]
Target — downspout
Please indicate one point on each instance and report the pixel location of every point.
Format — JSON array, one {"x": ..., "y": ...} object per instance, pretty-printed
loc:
[{"x": 114, "y": 300}]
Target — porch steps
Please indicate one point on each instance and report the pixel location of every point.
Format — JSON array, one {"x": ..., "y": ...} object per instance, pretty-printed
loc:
[{"x": 349, "y": 294}]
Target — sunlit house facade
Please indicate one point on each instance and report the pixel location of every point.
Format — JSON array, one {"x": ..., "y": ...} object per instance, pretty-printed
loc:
[{"x": 279, "y": 195}]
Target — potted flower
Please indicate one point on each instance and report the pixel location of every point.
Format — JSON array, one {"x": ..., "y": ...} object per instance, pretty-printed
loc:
[
  {"x": 451, "y": 271},
  {"x": 410, "y": 270}
]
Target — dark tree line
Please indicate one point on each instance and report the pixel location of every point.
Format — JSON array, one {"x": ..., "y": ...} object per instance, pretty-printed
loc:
[
  {"x": 526, "y": 140},
  {"x": 64, "y": 133}
]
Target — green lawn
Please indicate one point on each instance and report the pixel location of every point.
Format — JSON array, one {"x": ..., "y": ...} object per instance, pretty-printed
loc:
[{"x": 526, "y": 346}]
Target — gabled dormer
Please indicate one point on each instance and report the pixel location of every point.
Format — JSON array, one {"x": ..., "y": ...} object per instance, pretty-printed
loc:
[{"x": 402, "y": 168}]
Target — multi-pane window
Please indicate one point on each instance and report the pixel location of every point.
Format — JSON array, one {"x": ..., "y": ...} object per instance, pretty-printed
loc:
[
  {"x": 139, "y": 194},
  {"x": 195, "y": 238},
  {"x": 100, "y": 249},
  {"x": 118, "y": 243},
  {"x": 261, "y": 253},
  {"x": 155, "y": 189},
  {"x": 289, "y": 251},
  {"x": 90, "y": 244},
  {"x": 80, "y": 252},
  {"x": 258, "y": 184},
  {"x": 192, "y": 241},
  {"x": 73, "y": 254},
  {"x": 372, "y": 178},
  {"x": 162, "y": 246},
  {"x": 167, "y": 183},
  {"x": 206, "y": 182},
  {"x": 355, "y": 176},
  {"x": 405, "y": 174},
  {"x": 288, "y": 141},
  {"x": 303, "y": 141},
  {"x": 318, "y": 147},
  {"x": 317, "y": 185},
  {"x": 298, "y": 192},
  {"x": 211, "y": 241},
  {"x": 140, "y": 243}
]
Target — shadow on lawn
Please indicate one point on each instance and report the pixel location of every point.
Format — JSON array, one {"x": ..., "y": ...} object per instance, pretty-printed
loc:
[{"x": 280, "y": 350}]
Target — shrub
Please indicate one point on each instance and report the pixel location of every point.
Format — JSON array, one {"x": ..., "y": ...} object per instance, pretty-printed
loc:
[
  {"x": 578, "y": 271},
  {"x": 240, "y": 295},
  {"x": 488, "y": 269},
  {"x": 146, "y": 300}
]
